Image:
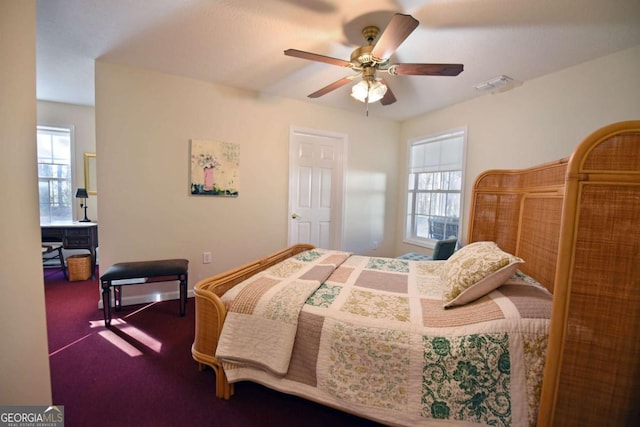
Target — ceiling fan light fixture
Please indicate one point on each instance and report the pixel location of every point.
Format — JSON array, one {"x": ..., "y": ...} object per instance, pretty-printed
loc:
[
  {"x": 368, "y": 91},
  {"x": 374, "y": 56}
]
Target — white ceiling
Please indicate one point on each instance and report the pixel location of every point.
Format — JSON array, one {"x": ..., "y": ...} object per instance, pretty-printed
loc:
[{"x": 240, "y": 43}]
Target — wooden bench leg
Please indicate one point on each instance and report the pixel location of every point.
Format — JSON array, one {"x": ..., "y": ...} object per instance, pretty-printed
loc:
[
  {"x": 106, "y": 302},
  {"x": 183, "y": 295}
]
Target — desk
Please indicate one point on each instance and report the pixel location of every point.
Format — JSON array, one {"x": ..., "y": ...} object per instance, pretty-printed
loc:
[{"x": 74, "y": 235}]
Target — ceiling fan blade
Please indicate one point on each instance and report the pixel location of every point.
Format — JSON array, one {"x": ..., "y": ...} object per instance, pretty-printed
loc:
[
  {"x": 396, "y": 32},
  {"x": 426, "y": 69},
  {"x": 333, "y": 86},
  {"x": 315, "y": 57},
  {"x": 389, "y": 97}
]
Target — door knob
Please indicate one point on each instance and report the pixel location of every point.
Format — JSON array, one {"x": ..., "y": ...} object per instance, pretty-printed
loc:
[{"x": 294, "y": 215}]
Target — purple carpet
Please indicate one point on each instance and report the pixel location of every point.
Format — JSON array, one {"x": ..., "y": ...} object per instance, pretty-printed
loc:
[{"x": 140, "y": 371}]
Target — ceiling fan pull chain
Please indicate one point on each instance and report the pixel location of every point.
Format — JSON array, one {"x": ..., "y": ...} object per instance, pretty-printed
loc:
[{"x": 367, "y": 98}]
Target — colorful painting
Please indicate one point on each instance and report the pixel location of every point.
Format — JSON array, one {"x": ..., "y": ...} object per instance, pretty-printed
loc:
[{"x": 214, "y": 168}]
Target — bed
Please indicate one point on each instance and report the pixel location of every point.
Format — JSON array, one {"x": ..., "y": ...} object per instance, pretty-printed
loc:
[{"x": 557, "y": 342}]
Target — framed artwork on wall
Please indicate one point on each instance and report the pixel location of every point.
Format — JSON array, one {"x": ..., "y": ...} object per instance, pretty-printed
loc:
[
  {"x": 90, "y": 174},
  {"x": 214, "y": 168}
]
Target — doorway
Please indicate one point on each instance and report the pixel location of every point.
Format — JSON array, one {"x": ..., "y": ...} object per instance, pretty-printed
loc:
[{"x": 316, "y": 187}]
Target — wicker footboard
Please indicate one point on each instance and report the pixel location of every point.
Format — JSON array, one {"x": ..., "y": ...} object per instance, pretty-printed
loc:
[{"x": 211, "y": 312}]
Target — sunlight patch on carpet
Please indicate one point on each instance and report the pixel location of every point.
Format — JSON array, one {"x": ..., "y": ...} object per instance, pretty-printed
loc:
[
  {"x": 120, "y": 343},
  {"x": 132, "y": 332}
]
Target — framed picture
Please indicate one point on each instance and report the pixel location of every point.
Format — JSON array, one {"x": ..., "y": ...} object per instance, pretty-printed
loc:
[
  {"x": 90, "y": 175},
  {"x": 214, "y": 168}
]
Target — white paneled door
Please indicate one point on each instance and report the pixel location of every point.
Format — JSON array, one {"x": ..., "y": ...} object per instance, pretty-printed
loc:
[{"x": 316, "y": 187}]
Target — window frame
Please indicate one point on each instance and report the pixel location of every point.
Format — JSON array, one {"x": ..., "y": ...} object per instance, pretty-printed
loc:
[
  {"x": 72, "y": 169},
  {"x": 409, "y": 231}
]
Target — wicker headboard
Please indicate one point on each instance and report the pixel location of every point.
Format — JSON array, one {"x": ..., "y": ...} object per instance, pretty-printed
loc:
[
  {"x": 576, "y": 224},
  {"x": 592, "y": 374},
  {"x": 521, "y": 210}
]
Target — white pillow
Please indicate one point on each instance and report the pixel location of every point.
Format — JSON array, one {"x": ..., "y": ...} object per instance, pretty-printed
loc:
[{"x": 474, "y": 271}]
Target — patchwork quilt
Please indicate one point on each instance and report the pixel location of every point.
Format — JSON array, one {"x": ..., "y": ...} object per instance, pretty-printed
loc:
[{"x": 370, "y": 336}]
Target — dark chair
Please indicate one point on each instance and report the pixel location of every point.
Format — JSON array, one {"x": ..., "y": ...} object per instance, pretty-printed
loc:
[
  {"x": 55, "y": 249},
  {"x": 444, "y": 249}
]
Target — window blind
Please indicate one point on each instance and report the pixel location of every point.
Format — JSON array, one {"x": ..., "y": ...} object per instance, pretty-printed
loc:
[{"x": 438, "y": 154}]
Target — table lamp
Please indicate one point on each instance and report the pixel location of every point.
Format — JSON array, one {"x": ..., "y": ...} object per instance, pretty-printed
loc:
[{"x": 81, "y": 193}]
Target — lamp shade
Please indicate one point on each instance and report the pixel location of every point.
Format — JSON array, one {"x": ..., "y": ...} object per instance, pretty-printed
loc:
[
  {"x": 373, "y": 89},
  {"x": 81, "y": 193}
]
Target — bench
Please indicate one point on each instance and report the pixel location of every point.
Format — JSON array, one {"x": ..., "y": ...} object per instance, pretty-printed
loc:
[{"x": 140, "y": 272}]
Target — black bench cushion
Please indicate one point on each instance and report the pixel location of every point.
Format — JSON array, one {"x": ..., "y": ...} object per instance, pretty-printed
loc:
[{"x": 134, "y": 270}]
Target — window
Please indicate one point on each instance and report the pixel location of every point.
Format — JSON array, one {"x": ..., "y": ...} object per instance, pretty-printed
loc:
[
  {"x": 435, "y": 182},
  {"x": 54, "y": 174}
]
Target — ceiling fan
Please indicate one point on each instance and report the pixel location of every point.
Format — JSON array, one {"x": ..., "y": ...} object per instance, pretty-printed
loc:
[{"x": 367, "y": 60}]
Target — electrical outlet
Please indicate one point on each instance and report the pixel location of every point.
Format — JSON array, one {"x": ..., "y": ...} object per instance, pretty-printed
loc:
[{"x": 206, "y": 257}]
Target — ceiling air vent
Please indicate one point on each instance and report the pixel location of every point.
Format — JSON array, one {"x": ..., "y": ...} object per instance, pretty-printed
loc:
[{"x": 496, "y": 84}]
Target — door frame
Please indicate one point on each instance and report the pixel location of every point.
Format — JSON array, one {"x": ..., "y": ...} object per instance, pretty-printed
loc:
[{"x": 338, "y": 196}]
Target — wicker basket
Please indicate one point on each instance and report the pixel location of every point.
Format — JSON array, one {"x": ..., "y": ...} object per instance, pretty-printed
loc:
[{"x": 79, "y": 267}]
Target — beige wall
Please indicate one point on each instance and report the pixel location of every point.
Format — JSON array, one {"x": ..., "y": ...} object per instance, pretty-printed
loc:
[
  {"x": 24, "y": 361},
  {"x": 82, "y": 118},
  {"x": 540, "y": 121},
  {"x": 144, "y": 121}
]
